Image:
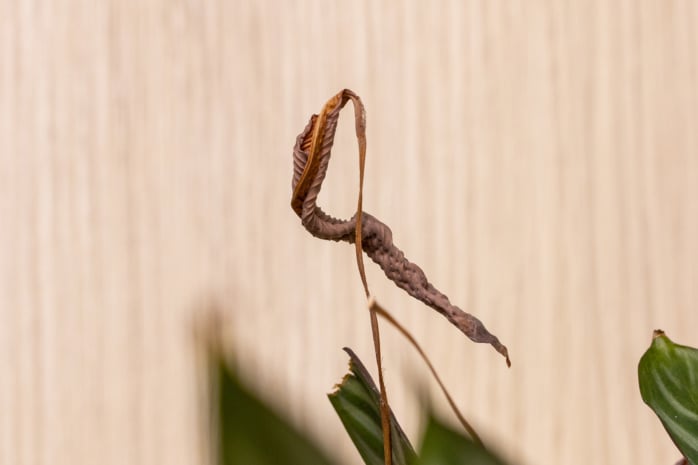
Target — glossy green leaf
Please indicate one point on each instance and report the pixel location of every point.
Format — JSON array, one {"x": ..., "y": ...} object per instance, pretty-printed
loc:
[
  {"x": 357, "y": 402},
  {"x": 250, "y": 433},
  {"x": 668, "y": 376}
]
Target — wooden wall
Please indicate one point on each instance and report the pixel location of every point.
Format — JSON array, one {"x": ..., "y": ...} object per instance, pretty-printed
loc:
[{"x": 538, "y": 159}]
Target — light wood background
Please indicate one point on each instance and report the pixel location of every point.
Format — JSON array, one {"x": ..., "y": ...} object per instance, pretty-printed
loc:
[{"x": 538, "y": 159}]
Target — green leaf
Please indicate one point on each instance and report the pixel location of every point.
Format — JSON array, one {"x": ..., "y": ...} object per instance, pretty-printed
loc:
[
  {"x": 668, "y": 375},
  {"x": 250, "y": 433},
  {"x": 442, "y": 445},
  {"x": 357, "y": 402}
]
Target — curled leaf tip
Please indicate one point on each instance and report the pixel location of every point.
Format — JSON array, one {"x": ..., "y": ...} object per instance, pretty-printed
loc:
[
  {"x": 502, "y": 349},
  {"x": 311, "y": 156},
  {"x": 657, "y": 333}
]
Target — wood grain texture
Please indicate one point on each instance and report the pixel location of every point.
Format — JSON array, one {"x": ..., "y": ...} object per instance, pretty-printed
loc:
[{"x": 539, "y": 160}]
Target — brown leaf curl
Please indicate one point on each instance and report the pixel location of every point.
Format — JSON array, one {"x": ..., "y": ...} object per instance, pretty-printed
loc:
[{"x": 311, "y": 157}]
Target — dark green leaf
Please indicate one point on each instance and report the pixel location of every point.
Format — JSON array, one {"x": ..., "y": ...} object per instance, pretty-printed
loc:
[
  {"x": 668, "y": 375},
  {"x": 357, "y": 402},
  {"x": 250, "y": 433},
  {"x": 442, "y": 445}
]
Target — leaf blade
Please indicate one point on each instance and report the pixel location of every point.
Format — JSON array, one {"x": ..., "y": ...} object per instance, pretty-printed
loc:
[
  {"x": 250, "y": 432},
  {"x": 357, "y": 403},
  {"x": 668, "y": 380},
  {"x": 442, "y": 445}
]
